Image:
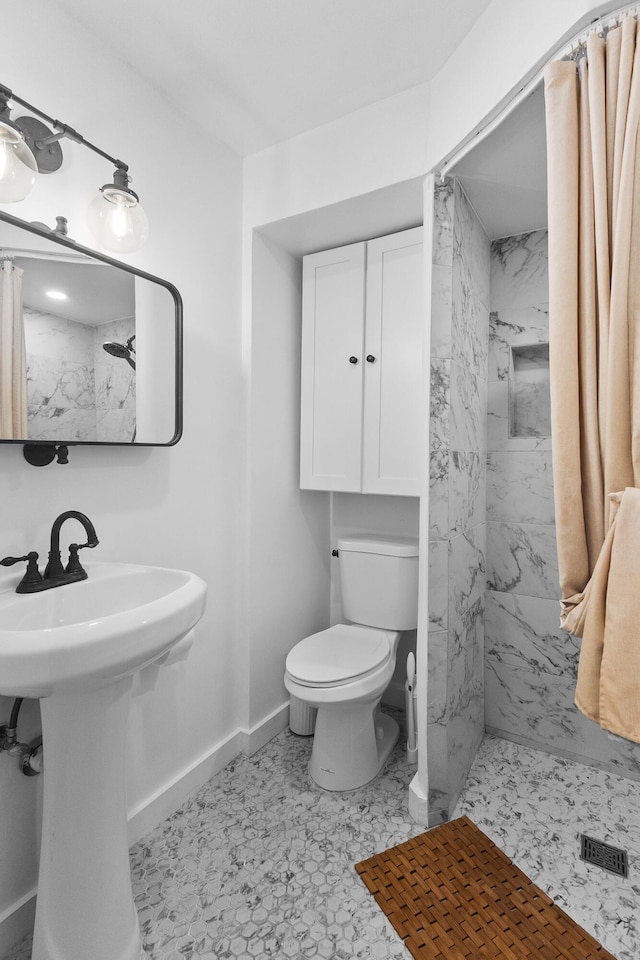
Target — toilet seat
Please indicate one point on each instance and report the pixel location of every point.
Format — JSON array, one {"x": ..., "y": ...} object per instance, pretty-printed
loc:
[{"x": 339, "y": 655}]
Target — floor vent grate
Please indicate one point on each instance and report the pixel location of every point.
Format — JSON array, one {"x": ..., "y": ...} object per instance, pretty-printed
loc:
[{"x": 603, "y": 855}]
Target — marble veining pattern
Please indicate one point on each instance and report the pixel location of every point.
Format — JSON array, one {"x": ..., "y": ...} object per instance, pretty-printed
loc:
[
  {"x": 75, "y": 390},
  {"x": 46, "y": 334},
  {"x": 514, "y": 327},
  {"x": 260, "y": 864},
  {"x": 467, "y": 490},
  {"x": 437, "y": 676},
  {"x": 60, "y": 378},
  {"x": 465, "y": 660},
  {"x": 525, "y": 631},
  {"x": 441, "y": 303},
  {"x": 60, "y": 400},
  {"x": 522, "y": 558},
  {"x": 443, "y": 203},
  {"x": 520, "y": 486},
  {"x": 438, "y": 584},
  {"x": 438, "y": 494},
  {"x": 468, "y": 410},
  {"x": 498, "y": 436},
  {"x": 440, "y": 433},
  {"x": 469, "y": 328},
  {"x": 530, "y": 408},
  {"x": 467, "y": 571},
  {"x": 115, "y": 397},
  {"x": 459, "y": 358},
  {"x": 538, "y": 708},
  {"x": 519, "y": 270},
  {"x": 471, "y": 252},
  {"x": 457, "y": 492}
]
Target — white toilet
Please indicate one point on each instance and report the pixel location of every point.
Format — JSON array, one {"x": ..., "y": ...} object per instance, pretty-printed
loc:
[{"x": 343, "y": 671}]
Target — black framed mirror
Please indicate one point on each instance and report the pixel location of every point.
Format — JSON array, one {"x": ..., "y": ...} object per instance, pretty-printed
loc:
[{"x": 90, "y": 348}]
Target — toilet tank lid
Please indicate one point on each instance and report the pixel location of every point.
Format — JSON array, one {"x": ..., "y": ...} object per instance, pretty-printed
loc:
[{"x": 386, "y": 545}]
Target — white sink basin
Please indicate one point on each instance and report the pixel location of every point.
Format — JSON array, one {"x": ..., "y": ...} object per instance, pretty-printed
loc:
[
  {"x": 84, "y": 634},
  {"x": 77, "y": 647}
]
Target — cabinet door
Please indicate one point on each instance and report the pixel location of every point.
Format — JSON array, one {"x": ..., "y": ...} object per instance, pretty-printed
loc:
[
  {"x": 393, "y": 403},
  {"x": 332, "y": 368}
]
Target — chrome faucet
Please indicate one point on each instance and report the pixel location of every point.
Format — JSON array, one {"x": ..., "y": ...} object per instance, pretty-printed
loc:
[{"x": 55, "y": 575}]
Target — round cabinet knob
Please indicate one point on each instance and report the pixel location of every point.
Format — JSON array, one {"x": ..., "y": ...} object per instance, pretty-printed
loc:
[
  {"x": 371, "y": 358},
  {"x": 353, "y": 359}
]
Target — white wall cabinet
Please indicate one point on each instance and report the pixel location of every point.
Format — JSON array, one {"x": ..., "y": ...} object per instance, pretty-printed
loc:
[{"x": 361, "y": 396}]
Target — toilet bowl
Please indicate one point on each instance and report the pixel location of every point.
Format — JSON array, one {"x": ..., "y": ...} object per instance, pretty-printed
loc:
[{"x": 343, "y": 671}]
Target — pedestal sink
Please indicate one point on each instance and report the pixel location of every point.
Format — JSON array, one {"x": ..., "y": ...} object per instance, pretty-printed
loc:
[{"x": 77, "y": 648}]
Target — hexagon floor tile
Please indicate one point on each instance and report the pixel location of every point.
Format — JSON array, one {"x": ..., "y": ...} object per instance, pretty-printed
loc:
[{"x": 259, "y": 862}]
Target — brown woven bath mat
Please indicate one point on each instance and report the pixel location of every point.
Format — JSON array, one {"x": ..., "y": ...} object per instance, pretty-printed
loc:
[{"x": 451, "y": 894}]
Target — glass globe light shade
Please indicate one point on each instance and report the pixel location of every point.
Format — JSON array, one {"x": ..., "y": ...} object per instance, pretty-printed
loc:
[
  {"x": 18, "y": 167},
  {"x": 117, "y": 220}
]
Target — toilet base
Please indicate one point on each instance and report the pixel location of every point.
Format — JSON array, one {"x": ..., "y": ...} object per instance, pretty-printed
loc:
[{"x": 351, "y": 745}]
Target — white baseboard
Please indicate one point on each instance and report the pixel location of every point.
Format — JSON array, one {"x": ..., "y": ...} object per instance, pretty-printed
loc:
[
  {"x": 268, "y": 728},
  {"x": 17, "y": 920},
  {"x": 163, "y": 802}
]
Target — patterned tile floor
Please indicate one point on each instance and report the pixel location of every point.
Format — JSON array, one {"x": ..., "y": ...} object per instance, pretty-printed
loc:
[{"x": 259, "y": 863}]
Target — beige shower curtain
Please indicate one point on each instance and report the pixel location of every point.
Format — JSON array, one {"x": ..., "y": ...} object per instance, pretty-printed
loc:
[
  {"x": 593, "y": 112},
  {"x": 13, "y": 366}
]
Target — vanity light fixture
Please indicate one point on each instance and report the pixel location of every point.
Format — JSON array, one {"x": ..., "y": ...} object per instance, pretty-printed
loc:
[
  {"x": 18, "y": 167},
  {"x": 28, "y": 147},
  {"x": 115, "y": 216}
]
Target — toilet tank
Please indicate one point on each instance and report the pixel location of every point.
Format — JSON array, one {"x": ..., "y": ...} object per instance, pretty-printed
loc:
[{"x": 379, "y": 578}]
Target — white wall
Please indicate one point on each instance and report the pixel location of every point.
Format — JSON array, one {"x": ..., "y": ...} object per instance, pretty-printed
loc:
[
  {"x": 287, "y": 549},
  {"x": 372, "y": 148},
  {"x": 177, "y": 506},
  {"x": 406, "y": 135}
]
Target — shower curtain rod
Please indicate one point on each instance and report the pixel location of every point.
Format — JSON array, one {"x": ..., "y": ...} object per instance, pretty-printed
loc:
[
  {"x": 563, "y": 51},
  {"x": 602, "y": 26},
  {"x": 13, "y": 252}
]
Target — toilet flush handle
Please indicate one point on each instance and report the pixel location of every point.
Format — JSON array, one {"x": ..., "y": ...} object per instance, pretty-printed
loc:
[{"x": 334, "y": 553}]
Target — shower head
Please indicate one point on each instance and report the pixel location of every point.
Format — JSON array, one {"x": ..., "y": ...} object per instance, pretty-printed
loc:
[
  {"x": 121, "y": 350},
  {"x": 116, "y": 349}
]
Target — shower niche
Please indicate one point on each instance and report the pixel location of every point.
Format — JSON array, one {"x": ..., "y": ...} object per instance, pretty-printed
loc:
[
  {"x": 102, "y": 356},
  {"x": 529, "y": 393}
]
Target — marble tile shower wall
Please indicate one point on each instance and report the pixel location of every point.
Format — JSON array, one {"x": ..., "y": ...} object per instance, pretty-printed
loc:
[
  {"x": 459, "y": 346},
  {"x": 75, "y": 390},
  {"x": 115, "y": 379},
  {"x": 530, "y": 664},
  {"x": 60, "y": 378}
]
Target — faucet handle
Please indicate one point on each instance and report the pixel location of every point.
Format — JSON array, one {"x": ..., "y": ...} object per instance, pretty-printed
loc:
[
  {"x": 74, "y": 565},
  {"x": 32, "y": 575}
]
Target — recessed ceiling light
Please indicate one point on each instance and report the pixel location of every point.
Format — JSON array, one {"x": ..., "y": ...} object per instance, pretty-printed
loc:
[{"x": 57, "y": 295}]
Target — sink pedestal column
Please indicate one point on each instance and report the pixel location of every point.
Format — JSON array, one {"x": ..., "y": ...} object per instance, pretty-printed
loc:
[{"x": 85, "y": 908}]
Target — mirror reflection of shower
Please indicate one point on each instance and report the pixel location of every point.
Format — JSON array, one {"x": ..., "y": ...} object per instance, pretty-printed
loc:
[{"x": 122, "y": 350}]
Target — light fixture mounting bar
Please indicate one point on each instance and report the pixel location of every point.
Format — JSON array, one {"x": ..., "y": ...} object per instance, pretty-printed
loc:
[{"x": 64, "y": 130}]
